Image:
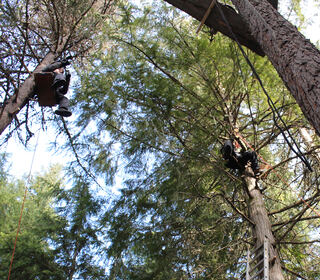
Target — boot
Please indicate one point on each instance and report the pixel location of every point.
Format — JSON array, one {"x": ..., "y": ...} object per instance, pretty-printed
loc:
[{"x": 64, "y": 112}]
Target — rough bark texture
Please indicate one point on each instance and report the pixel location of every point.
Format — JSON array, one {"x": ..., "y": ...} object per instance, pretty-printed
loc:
[
  {"x": 197, "y": 9},
  {"x": 258, "y": 214},
  {"x": 295, "y": 58}
]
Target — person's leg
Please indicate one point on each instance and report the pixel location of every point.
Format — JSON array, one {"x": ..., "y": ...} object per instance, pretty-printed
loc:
[
  {"x": 227, "y": 149},
  {"x": 63, "y": 102},
  {"x": 232, "y": 163},
  {"x": 59, "y": 80},
  {"x": 254, "y": 161},
  {"x": 249, "y": 156}
]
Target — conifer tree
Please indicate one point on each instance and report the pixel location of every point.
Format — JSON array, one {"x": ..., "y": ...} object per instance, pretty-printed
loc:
[
  {"x": 170, "y": 100},
  {"x": 59, "y": 235},
  {"x": 259, "y": 25},
  {"x": 34, "y": 257}
]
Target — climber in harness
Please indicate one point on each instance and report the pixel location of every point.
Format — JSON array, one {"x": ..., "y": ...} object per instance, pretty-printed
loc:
[
  {"x": 60, "y": 85},
  {"x": 239, "y": 160}
]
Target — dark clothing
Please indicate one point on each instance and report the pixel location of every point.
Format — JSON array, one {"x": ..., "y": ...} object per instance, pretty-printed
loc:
[
  {"x": 60, "y": 84},
  {"x": 60, "y": 98},
  {"x": 55, "y": 65},
  {"x": 238, "y": 160},
  {"x": 247, "y": 156}
]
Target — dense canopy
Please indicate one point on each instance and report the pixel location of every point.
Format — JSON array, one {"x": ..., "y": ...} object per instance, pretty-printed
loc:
[{"x": 153, "y": 104}]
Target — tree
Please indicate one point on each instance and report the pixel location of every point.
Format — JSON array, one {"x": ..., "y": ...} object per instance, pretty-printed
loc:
[
  {"x": 58, "y": 238},
  {"x": 295, "y": 58},
  {"x": 33, "y": 35},
  {"x": 159, "y": 94},
  {"x": 77, "y": 246},
  {"x": 154, "y": 98},
  {"x": 34, "y": 257}
]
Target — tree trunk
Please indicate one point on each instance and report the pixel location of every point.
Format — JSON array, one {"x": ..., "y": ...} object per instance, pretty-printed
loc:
[
  {"x": 258, "y": 214},
  {"x": 295, "y": 58},
  {"x": 18, "y": 100}
]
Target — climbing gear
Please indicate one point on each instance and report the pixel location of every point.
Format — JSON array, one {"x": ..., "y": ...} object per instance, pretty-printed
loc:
[
  {"x": 22, "y": 206},
  {"x": 44, "y": 90},
  {"x": 258, "y": 262},
  {"x": 206, "y": 15}
]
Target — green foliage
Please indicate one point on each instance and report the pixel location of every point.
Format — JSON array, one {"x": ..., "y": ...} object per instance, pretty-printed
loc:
[
  {"x": 58, "y": 238},
  {"x": 77, "y": 244},
  {"x": 34, "y": 259},
  {"x": 163, "y": 100},
  {"x": 155, "y": 104}
]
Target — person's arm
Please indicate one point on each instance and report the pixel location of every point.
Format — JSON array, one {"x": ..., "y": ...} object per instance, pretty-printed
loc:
[
  {"x": 55, "y": 65},
  {"x": 51, "y": 67}
]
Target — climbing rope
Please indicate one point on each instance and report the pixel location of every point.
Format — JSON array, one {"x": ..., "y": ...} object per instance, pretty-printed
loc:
[
  {"x": 22, "y": 207},
  {"x": 272, "y": 106}
]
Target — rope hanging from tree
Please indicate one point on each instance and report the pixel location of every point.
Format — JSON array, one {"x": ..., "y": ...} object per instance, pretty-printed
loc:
[
  {"x": 272, "y": 106},
  {"x": 22, "y": 207}
]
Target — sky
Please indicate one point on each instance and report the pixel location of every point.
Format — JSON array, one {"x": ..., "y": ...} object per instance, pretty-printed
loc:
[{"x": 21, "y": 159}]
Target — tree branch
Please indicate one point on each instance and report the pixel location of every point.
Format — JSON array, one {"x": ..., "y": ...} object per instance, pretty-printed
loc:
[
  {"x": 301, "y": 201},
  {"x": 293, "y": 220},
  {"x": 236, "y": 209},
  {"x": 293, "y": 273}
]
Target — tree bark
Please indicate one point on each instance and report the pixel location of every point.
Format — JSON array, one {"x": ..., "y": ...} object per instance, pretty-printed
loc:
[
  {"x": 258, "y": 214},
  {"x": 295, "y": 58},
  {"x": 19, "y": 99}
]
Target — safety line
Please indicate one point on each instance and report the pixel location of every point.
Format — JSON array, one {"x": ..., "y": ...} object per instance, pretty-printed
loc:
[
  {"x": 269, "y": 100},
  {"x": 22, "y": 207}
]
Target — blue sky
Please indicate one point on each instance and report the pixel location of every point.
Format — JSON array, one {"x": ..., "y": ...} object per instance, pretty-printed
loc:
[{"x": 21, "y": 158}]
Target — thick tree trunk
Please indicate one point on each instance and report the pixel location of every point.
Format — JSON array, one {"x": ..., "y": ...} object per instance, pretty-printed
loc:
[
  {"x": 17, "y": 101},
  {"x": 258, "y": 214},
  {"x": 295, "y": 58}
]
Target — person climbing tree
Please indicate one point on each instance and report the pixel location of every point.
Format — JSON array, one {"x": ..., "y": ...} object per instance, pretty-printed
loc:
[
  {"x": 238, "y": 160},
  {"x": 60, "y": 85}
]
